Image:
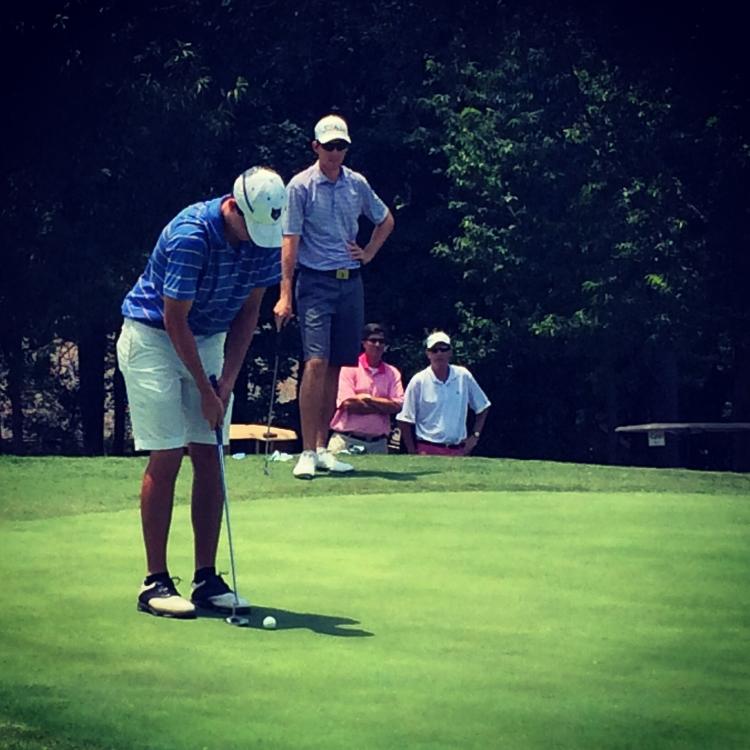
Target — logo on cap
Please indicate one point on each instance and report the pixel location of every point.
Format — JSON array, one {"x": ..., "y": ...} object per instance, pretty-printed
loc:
[
  {"x": 261, "y": 198},
  {"x": 330, "y": 128}
]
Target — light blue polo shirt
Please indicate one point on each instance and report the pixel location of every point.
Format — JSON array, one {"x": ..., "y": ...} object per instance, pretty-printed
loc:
[
  {"x": 325, "y": 215},
  {"x": 192, "y": 260}
]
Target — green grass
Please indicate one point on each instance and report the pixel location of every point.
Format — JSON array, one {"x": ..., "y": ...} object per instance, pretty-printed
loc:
[
  {"x": 423, "y": 603},
  {"x": 33, "y": 488}
]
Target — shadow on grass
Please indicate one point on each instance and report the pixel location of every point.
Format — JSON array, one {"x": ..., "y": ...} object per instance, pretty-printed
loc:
[
  {"x": 287, "y": 620},
  {"x": 394, "y": 476}
]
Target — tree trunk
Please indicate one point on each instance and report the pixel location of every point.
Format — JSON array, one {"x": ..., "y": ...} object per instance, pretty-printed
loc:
[
  {"x": 15, "y": 392},
  {"x": 120, "y": 406},
  {"x": 610, "y": 395},
  {"x": 92, "y": 349},
  {"x": 240, "y": 408},
  {"x": 741, "y": 405},
  {"x": 667, "y": 399}
]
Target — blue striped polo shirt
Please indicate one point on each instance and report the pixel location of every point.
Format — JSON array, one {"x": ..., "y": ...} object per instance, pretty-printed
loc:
[
  {"x": 192, "y": 260},
  {"x": 325, "y": 214}
]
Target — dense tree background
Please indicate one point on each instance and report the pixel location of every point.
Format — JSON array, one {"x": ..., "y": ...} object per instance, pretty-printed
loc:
[{"x": 569, "y": 180}]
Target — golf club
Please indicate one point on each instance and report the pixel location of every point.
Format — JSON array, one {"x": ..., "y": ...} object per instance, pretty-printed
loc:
[
  {"x": 268, "y": 434},
  {"x": 234, "y": 619}
]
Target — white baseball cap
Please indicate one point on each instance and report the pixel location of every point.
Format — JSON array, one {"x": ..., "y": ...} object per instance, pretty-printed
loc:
[
  {"x": 261, "y": 197},
  {"x": 437, "y": 337},
  {"x": 332, "y": 128}
]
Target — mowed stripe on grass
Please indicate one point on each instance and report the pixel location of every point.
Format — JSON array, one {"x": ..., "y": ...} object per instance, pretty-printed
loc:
[{"x": 472, "y": 620}]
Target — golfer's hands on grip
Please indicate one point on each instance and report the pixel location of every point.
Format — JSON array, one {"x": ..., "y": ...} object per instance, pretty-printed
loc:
[
  {"x": 214, "y": 402},
  {"x": 212, "y": 408}
]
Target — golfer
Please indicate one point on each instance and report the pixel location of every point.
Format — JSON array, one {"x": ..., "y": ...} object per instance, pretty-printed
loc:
[
  {"x": 320, "y": 231},
  {"x": 191, "y": 315},
  {"x": 436, "y": 404}
]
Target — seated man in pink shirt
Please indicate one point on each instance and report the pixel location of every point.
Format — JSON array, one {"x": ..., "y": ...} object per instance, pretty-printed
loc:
[{"x": 368, "y": 395}]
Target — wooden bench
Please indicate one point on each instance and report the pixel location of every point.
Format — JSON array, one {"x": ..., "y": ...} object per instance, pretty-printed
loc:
[
  {"x": 657, "y": 430},
  {"x": 279, "y": 437},
  {"x": 676, "y": 452}
]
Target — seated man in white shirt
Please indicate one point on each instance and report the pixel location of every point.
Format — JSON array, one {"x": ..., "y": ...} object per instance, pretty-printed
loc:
[
  {"x": 369, "y": 393},
  {"x": 436, "y": 404}
]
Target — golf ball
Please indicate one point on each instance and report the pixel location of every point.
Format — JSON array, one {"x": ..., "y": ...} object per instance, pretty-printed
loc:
[{"x": 269, "y": 623}]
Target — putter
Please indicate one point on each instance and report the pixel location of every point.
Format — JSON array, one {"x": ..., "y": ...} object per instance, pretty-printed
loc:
[
  {"x": 234, "y": 619},
  {"x": 268, "y": 434}
]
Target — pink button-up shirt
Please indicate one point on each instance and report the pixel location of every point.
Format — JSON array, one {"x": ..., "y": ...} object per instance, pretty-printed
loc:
[{"x": 383, "y": 382}]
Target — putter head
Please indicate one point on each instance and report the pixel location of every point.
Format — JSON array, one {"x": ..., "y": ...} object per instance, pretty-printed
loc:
[{"x": 238, "y": 621}]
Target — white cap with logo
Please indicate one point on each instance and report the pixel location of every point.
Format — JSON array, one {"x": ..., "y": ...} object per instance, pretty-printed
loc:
[
  {"x": 332, "y": 128},
  {"x": 261, "y": 196},
  {"x": 437, "y": 337}
]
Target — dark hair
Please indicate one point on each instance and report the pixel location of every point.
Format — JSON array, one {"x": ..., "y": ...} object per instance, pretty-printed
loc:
[{"x": 371, "y": 328}]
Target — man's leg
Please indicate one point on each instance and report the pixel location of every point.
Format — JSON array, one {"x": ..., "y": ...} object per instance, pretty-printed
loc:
[
  {"x": 210, "y": 591},
  {"x": 157, "y": 498},
  {"x": 206, "y": 504},
  {"x": 328, "y": 404},
  {"x": 317, "y": 398},
  {"x": 312, "y": 401},
  {"x": 158, "y": 595},
  {"x": 324, "y": 459}
]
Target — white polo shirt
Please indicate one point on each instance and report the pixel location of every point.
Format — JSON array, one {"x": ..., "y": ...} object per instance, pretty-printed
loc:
[{"x": 438, "y": 409}]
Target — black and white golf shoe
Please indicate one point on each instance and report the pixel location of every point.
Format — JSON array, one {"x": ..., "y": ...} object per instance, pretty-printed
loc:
[
  {"x": 212, "y": 592},
  {"x": 161, "y": 598}
]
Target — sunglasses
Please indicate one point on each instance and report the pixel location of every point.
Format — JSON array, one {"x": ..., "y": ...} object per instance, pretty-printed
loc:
[
  {"x": 379, "y": 342},
  {"x": 335, "y": 145},
  {"x": 440, "y": 349}
]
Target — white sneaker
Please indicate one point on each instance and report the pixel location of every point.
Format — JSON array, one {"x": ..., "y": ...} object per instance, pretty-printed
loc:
[
  {"x": 213, "y": 593},
  {"x": 305, "y": 468},
  {"x": 326, "y": 461}
]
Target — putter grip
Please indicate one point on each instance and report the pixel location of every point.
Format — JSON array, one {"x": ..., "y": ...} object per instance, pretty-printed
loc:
[{"x": 218, "y": 432}]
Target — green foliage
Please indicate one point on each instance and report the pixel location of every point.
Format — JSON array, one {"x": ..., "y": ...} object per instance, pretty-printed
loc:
[
  {"x": 570, "y": 202},
  {"x": 574, "y": 218}
]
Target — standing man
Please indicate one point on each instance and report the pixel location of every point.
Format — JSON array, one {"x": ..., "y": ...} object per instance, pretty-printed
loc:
[
  {"x": 436, "y": 405},
  {"x": 192, "y": 314},
  {"x": 367, "y": 397},
  {"x": 320, "y": 232}
]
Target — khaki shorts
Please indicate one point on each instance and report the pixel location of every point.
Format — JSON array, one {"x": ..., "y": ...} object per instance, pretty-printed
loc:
[
  {"x": 340, "y": 442},
  {"x": 165, "y": 405}
]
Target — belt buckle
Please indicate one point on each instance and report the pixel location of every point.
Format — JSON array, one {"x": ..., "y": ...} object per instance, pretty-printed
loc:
[{"x": 342, "y": 274}]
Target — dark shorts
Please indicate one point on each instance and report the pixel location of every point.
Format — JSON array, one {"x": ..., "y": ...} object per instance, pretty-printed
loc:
[{"x": 331, "y": 313}]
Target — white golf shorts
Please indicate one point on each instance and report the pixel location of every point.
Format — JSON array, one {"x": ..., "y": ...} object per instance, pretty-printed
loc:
[{"x": 164, "y": 401}]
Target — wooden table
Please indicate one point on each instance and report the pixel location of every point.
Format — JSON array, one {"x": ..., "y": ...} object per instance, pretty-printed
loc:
[
  {"x": 656, "y": 430},
  {"x": 278, "y": 438}
]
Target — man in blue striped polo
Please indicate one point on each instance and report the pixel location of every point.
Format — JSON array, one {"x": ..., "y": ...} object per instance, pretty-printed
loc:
[
  {"x": 320, "y": 242},
  {"x": 191, "y": 315}
]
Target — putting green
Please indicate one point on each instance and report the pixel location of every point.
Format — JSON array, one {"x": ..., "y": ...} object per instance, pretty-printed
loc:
[{"x": 434, "y": 620}]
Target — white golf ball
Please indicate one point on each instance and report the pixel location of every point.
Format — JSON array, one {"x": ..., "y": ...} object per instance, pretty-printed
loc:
[{"x": 269, "y": 623}]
